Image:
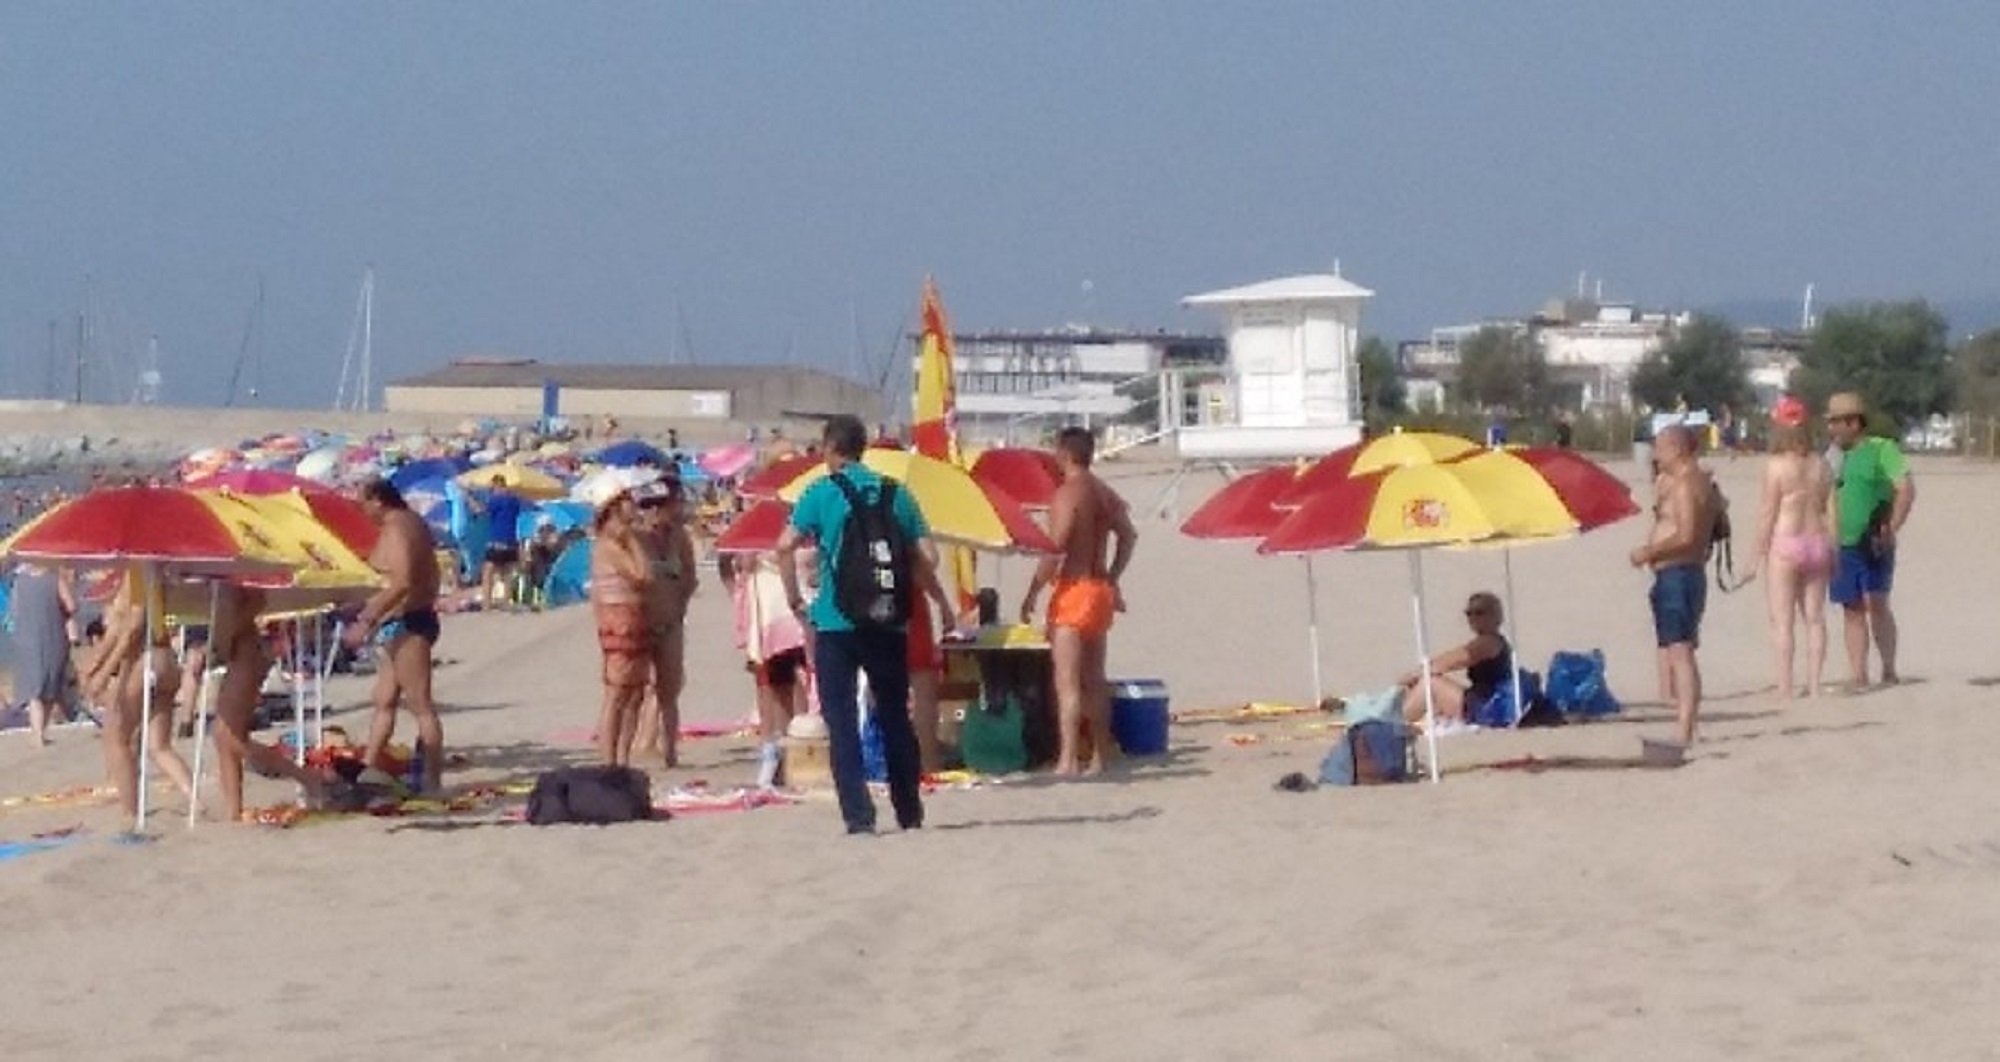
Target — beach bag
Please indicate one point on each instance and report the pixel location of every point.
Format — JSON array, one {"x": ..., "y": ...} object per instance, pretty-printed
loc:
[
  {"x": 596, "y": 796},
  {"x": 872, "y": 574},
  {"x": 1719, "y": 532},
  {"x": 1576, "y": 685},
  {"x": 1374, "y": 752},
  {"x": 994, "y": 741},
  {"x": 1497, "y": 711}
]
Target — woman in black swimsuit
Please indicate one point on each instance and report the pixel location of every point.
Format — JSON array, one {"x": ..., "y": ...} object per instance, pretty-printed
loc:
[{"x": 1487, "y": 661}]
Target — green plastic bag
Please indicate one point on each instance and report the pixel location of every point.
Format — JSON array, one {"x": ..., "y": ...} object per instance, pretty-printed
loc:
[{"x": 993, "y": 742}]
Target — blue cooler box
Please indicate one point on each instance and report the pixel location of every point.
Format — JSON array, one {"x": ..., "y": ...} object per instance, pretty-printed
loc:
[{"x": 1139, "y": 716}]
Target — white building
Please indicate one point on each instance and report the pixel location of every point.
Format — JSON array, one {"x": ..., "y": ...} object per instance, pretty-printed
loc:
[
  {"x": 1008, "y": 380},
  {"x": 1592, "y": 348},
  {"x": 1290, "y": 387}
]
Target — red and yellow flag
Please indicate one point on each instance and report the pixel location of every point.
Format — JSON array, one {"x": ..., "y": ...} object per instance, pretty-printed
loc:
[
  {"x": 934, "y": 421},
  {"x": 934, "y": 415}
]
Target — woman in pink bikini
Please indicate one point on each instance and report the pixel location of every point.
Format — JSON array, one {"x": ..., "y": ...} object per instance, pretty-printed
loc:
[{"x": 1795, "y": 543}]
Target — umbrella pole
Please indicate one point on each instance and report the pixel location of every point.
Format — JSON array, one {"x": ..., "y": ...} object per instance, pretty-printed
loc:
[
  {"x": 1513, "y": 640},
  {"x": 145, "y": 699},
  {"x": 201, "y": 700},
  {"x": 1424, "y": 658},
  {"x": 326, "y": 668},
  {"x": 1312, "y": 629},
  {"x": 319, "y": 679},
  {"x": 298, "y": 692}
]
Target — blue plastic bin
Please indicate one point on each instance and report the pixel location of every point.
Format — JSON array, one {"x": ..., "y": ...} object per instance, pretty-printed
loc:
[{"x": 1139, "y": 716}]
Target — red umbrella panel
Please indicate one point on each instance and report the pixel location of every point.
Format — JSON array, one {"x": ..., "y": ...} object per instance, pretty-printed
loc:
[
  {"x": 1591, "y": 494},
  {"x": 757, "y": 529},
  {"x": 1027, "y": 476},
  {"x": 766, "y": 482},
  {"x": 1245, "y": 508}
]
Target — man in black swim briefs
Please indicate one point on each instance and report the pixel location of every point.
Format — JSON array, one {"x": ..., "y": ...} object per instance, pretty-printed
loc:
[{"x": 402, "y": 620}]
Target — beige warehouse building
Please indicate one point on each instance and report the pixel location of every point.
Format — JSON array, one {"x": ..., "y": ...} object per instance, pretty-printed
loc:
[{"x": 517, "y": 389}]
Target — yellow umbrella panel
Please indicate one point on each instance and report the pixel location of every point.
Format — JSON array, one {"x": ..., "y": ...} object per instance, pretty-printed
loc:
[
  {"x": 324, "y": 570},
  {"x": 952, "y": 502},
  {"x": 532, "y": 484}
]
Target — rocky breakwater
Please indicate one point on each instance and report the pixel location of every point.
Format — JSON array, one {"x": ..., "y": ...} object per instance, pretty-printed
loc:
[{"x": 34, "y": 454}]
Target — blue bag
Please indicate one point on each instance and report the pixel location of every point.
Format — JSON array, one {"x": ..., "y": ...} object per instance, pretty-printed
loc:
[
  {"x": 1373, "y": 752},
  {"x": 874, "y": 757},
  {"x": 1497, "y": 711},
  {"x": 1577, "y": 686}
]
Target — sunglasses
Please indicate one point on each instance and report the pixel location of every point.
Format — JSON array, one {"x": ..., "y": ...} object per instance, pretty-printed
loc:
[{"x": 1478, "y": 610}]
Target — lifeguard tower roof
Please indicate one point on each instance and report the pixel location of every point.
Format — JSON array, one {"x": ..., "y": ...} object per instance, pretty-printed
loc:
[{"x": 1307, "y": 287}]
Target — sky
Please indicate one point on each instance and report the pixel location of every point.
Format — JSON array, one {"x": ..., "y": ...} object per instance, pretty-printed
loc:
[{"x": 770, "y": 183}]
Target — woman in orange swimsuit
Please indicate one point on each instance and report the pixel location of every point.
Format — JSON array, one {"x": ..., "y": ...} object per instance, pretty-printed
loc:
[{"x": 620, "y": 577}]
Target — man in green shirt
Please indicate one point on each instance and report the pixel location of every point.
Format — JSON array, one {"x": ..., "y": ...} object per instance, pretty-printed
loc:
[
  {"x": 845, "y": 647},
  {"x": 1871, "y": 501}
]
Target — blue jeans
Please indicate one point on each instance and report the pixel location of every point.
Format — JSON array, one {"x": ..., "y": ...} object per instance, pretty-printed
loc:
[{"x": 838, "y": 657}]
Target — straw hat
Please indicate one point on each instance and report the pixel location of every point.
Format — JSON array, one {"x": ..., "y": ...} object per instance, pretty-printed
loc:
[
  {"x": 611, "y": 484},
  {"x": 1846, "y": 404}
]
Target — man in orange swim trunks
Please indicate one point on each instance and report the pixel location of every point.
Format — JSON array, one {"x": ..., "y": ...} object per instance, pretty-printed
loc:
[{"x": 1084, "y": 518}]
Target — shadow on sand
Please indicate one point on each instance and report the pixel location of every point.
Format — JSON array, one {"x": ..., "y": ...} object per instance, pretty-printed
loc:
[{"x": 1134, "y": 815}]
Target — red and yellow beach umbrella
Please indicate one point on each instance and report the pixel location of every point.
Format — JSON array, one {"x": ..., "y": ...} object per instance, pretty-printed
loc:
[
  {"x": 955, "y": 506},
  {"x": 1394, "y": 450},
  {"x": 1490, "y": 495},
  {"x": 184, "y": 530}
]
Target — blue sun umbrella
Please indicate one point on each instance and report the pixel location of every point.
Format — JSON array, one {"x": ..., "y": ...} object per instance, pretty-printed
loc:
[
  {"x": 632, "y": 452},
  {"x": 408, "y": 476}
]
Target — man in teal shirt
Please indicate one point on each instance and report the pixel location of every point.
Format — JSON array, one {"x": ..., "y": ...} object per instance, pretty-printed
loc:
[
  {"x": 842, "y": 648},
  {"x": 1871, "y": 501}
]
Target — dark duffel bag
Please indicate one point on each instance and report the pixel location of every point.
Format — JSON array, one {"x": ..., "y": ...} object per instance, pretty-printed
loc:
[{"x": 597, "y": 796}]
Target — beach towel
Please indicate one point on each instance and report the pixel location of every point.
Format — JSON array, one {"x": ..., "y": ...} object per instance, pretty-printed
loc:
[
  {"x": 1384, "y": 704},
  {"x": 766, "y": 626}
]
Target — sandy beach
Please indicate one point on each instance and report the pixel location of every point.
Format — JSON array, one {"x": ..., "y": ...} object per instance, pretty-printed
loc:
[{"x": 1818, "y": 882}]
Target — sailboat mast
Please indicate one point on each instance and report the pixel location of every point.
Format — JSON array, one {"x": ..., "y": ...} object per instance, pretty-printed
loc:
[
  {"x": 360, "y": 348},
  {"x": 363, "y": 401}
]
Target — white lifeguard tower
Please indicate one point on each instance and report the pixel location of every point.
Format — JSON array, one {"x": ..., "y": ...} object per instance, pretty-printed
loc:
[{"x": 1291, "y": 388}]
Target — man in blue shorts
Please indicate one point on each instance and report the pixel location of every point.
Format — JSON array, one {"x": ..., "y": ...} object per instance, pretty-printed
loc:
[
  {"x": 1684, "y": 513},
  {"x": 1871, "y": 501},
  {"x": 503, "y": 544}
]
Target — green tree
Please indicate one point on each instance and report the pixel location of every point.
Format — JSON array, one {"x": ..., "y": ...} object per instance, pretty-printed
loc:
[
  {"x": 1382, "y": 393},
  {"x": 1976, "y": 369},
  {"x": 1503, "y": 367},
  {"x": 1894, "y": 354},
  {"x": 1702, "y": 363}
]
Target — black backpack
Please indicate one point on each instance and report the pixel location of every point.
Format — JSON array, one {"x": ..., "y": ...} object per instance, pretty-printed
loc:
[
  {"x": 1720, "y": 533},
  {"x": 871, "y": 577}
]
